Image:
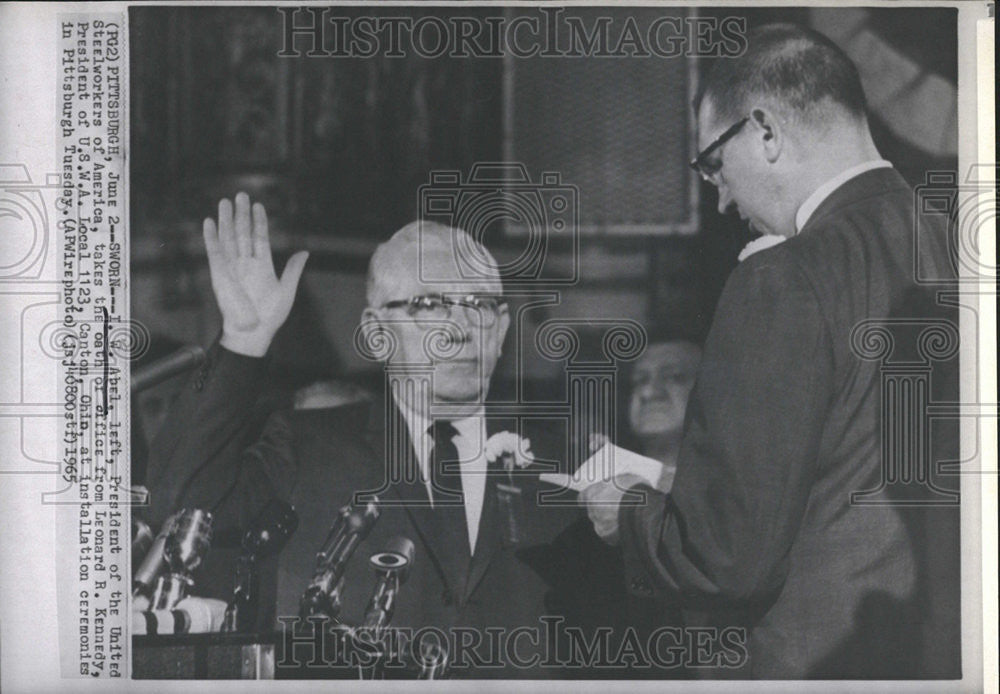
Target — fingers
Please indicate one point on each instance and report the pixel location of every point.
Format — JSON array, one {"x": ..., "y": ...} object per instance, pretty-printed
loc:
[
  {"x": 293, "y": 271},
  {"x": 602, "y": 512},
  {"x": 211, "y": 236},
  {"x": 666, "y": 481},
  {"x": 600, "y": 493},
  {"x": 244, "y": 243},
  {"x": 242, "y": 230},
  {"x": 261, "y": 242},
  {"x": 227, "y": 237},
  {"x": 596, "y": 441}
]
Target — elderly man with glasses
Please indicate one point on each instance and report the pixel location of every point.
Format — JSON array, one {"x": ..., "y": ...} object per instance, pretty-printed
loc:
[
  {"x": 808, "y": 506},
  {"x": 437, "y": 318}
]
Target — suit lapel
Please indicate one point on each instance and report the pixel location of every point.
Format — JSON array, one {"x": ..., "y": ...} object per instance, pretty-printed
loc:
[
  {"x": 390, "y": 439},
  {"x": 406, "y": 488},
  {"x": 490, "y": 537}
]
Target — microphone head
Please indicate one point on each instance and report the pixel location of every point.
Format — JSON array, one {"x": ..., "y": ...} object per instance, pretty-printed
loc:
[
  {"x": 433, "y": 660},
  {"x": 362, "y": 520},
  {"x": 271, "y": 528},
  {"x": 142, "y": 540},
  {"x": 188, "y": 542},
  {"x": 397, "y": 557}
]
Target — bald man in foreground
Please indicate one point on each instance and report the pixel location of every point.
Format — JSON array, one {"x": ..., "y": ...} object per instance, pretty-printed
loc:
[{"x": 436, "y": 316}]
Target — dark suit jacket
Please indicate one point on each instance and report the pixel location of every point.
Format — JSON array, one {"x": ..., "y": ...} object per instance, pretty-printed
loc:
[
  {"x": 318, "y": 460},
  {"x": 784, "y": 423}
]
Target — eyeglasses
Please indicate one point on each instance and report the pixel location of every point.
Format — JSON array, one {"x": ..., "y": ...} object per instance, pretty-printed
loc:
[
  {"x": 708, "y": 168},
  {"x": 478, "y": 310}
]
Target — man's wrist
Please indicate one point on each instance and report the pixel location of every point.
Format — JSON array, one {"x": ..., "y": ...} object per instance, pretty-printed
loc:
[{"x": 246, "y": 344}]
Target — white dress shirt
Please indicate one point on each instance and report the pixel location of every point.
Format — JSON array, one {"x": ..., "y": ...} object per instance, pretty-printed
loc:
[
  {"x": 470, "y": 443},
  {"x": 813, "y": 202}
]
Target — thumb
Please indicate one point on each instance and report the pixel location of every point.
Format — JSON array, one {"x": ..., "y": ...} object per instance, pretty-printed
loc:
[{"x": 293, "y": 272}]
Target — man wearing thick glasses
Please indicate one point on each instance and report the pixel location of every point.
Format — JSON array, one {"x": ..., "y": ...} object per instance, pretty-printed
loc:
[
  {"x": 466, "y": 317},
  {"x": 788, "y": 513},
  {"x": 437, "y": 318}
]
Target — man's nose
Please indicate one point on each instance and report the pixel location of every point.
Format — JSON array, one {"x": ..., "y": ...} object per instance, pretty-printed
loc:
[
  {"x": 653, "y": 391},
  {"x": 726, "y": 202},
  {"x": 661, "y": 391}
]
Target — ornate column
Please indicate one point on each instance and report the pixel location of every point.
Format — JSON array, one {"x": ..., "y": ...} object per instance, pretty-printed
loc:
[
  {"x": 905, "y": 350},
  {"x": 591, "y": 384}
]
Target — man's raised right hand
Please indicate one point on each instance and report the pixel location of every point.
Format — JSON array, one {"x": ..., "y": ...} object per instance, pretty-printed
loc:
[{"x": 254, "y": 303}]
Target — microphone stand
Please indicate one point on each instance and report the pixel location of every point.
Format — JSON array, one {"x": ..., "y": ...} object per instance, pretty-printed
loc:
[
  {"x": 392, "y": 568},
  {"x": 267, "y": 535},
  {"x": 144, "y": 577},
  {"x": 185, "y": 547},
  {"x": 241, "y": 610},
  {"x": 322, "y": 598}
]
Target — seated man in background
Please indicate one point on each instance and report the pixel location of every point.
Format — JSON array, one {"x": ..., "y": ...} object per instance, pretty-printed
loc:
[
  {"x": 471, "y": 525},
  {"x": 661, "y": 381}
]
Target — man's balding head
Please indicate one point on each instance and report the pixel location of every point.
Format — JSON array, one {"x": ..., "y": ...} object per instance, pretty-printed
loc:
[
  {"x": 426, "y": 257},
  {"x": 793, "y": 69},
  {"x": 777, "y": 122}
]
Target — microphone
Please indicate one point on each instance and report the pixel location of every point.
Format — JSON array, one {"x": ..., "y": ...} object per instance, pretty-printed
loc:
[
  {"x": 185, "y": 359},
  {"x": 144, "y": 578},
  {"x": 392, "y": 568},
  {"x": 433, "y": 661},
  {"x": 142, "y": 540},
  {"x": 322, "y": 596},
  {"x": 188, "y": 544},
  {"x": 270, "y": 529},
  {"x": 184, "y": 549},
  {"x": 267, "y": 535}
]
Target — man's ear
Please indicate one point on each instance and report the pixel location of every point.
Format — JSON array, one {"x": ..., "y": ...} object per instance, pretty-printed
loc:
[
  {"x": 369, "y": 320},
  {"x": 769, "y": 131},
  {"x": 503, "y": 323},
  {"x": 376, "y": 339}
]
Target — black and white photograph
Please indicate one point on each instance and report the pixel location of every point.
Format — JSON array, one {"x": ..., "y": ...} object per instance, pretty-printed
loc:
[{"x": 567, "y": 344}]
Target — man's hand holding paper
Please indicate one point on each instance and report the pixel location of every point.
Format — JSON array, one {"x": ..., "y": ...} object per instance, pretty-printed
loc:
[
  {"x": 611, "y": 461},
  {"x": 604, "y": 479}
]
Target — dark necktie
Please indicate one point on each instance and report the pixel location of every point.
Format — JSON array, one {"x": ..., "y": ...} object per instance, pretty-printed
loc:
[{"x": 446, "y": 486}]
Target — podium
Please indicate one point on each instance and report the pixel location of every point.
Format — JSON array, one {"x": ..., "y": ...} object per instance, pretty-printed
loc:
[{"x": 203, "y": 656}]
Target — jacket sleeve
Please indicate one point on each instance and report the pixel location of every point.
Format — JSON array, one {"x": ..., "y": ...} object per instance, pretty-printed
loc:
[
  {"x": 200, "y": 458},
  {"x": 749, "y": 454}
]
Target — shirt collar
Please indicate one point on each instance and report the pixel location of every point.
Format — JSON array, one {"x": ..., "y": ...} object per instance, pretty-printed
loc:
[
  {"x": 418, "y": 420},
  {"x": 813, "y": 202},
  {"x": 469, "y": 427}
]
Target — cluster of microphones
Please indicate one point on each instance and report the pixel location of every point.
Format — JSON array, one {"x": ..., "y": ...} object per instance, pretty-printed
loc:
[{"x": 163, "y": 601}]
